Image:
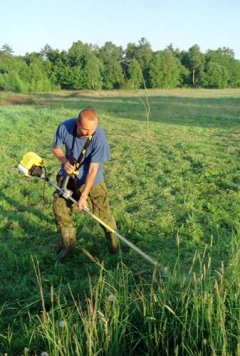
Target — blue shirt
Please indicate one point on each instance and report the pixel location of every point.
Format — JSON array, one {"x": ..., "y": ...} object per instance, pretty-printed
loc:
[{"x": 97, "y": 151}]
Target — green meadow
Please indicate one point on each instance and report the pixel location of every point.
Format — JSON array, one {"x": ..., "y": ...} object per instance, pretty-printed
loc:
[{"x": 173, "y": 181}]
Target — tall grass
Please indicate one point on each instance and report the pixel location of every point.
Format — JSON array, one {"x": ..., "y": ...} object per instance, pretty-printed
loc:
[
  {"x": 195, "y": 314},
  {"x": 175, "y": 195}
]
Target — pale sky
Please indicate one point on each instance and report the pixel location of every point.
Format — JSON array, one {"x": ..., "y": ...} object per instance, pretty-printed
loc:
[{"x": 28, "y": 25}]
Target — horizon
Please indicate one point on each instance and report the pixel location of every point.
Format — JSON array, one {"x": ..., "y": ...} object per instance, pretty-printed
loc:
[{"x": 118, "y": 45}]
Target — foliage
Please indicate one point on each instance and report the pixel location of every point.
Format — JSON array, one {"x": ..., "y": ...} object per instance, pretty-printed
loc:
[
  {"x": 110, "y": 56},
  {"x": 193, "y": 59},
  {"x": 135, "y": 75},
  {"x": 28, "y": 74},
  {"x": 216, "y": 75},
  {"x": 225, "y": 58},
  {"x": 164, "y": 70},
  {"x": 85, "y": 66}
]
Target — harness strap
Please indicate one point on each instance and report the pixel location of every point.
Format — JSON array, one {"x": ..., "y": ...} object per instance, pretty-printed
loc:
[{"x": 82, "y": 155}]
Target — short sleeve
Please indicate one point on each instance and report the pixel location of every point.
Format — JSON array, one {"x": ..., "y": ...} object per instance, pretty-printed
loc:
[
  {"x": 58, "y": 139},
  {"x": 100, "y": 152}
]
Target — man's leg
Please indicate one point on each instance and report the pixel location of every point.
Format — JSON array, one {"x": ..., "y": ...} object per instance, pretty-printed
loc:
[
  {"x": 62, "y": 211},
  {"x": 99, "y": 204}
]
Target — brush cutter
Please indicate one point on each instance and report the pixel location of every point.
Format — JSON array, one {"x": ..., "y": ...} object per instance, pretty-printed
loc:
[{"x": 33, "y": 165}]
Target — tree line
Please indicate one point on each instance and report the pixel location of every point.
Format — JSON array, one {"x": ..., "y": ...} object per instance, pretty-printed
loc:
[{"x": 87, "y": 66}]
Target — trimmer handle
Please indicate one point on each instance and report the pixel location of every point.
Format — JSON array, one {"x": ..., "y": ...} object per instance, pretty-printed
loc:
[
  {"x": 73, "y": 162},
  {"x": 65, "y": 182}
]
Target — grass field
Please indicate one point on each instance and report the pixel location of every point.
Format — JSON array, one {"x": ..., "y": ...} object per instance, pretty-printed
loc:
[{"x": 174, "y": 191}]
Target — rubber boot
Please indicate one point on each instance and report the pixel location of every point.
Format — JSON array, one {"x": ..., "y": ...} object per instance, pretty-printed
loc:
[
  {"x": 68, "y": 236},
  {"x": 112, "y": 242}
]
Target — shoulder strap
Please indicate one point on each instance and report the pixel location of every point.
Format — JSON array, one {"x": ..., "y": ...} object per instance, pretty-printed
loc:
[
  {"x": 84, "y": 149},
  {"x": 74, "y": 135},
  {"x": 82, "y": 155}
]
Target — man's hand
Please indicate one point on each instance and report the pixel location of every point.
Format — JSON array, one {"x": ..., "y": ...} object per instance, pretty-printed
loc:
[
  {"x": 68, "y": 167},
  {"x": 61, "y": 157},
  {"x": 82, "y": 203},
  {"x": 92, "y": 173}
]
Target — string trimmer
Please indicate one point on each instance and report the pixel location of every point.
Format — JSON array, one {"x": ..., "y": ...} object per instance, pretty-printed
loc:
[{"x": 33, "y": 165}]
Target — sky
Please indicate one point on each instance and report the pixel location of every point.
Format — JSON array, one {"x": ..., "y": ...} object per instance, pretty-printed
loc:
[{"x": 28, "y": 25}]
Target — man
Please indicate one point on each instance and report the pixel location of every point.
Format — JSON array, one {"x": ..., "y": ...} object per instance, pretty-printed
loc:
[{"x": 86, "y": 148}]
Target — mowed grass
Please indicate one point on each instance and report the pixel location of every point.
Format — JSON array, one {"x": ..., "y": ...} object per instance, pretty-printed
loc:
[{"x": 174, "y": 191}]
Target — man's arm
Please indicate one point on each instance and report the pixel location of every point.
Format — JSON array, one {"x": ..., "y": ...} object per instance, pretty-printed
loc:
[
  {"x": 59, "y": 154},
  {"x": 90, "y": 180}
]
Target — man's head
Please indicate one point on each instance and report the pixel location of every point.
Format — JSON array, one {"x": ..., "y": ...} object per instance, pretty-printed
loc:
[{"x": 87, "y": 122}]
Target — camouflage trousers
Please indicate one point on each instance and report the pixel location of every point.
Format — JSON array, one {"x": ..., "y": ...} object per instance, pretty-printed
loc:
[{"x": 98, "y": 203}]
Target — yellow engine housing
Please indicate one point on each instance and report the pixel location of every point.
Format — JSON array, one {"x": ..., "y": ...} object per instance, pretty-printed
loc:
[{"x": 29, "y": 160}]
